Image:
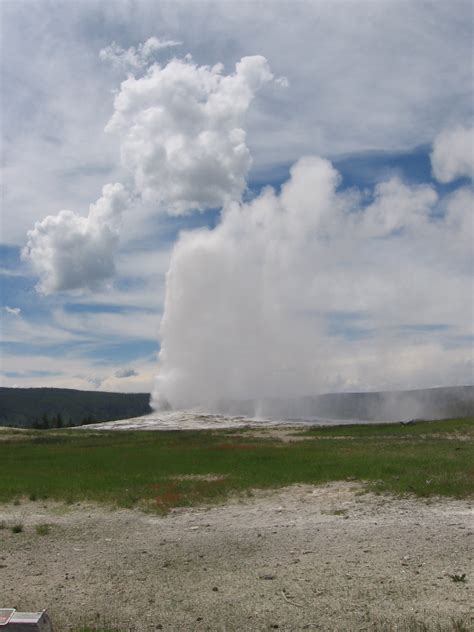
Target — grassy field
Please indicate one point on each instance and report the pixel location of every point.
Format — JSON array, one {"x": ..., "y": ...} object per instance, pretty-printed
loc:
[{"x": 160, "y": 470}]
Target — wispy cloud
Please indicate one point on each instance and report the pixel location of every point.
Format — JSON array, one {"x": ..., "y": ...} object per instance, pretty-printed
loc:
[
  {"x": 122, "y": 373},
  {"x": 15, "y": 311},
  {"x": 135, "y": 58},
  {"x": 7, "y": 272}
]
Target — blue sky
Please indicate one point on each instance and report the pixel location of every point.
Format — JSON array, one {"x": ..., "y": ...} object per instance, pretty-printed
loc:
[{"x": 369, "y": 87}]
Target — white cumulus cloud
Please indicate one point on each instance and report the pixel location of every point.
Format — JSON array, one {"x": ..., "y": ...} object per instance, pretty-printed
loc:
[
  {"x": 180, "y": 134},
  {"x": 453, "y": 154},
  {"x": 69, "y": 251},
  {"x": 180, "y": 130},
  {"x": 398, "y": 206}
]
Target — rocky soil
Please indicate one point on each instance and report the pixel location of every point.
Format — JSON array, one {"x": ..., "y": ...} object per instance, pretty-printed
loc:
[{"x": 301, "y": 558}]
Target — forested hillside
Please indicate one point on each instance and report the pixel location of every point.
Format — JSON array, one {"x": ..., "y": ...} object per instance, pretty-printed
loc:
[{"x": 59, "y": 407}]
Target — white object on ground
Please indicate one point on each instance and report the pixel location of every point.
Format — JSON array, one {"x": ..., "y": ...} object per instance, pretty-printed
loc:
[{"x": 12, "y": 621}]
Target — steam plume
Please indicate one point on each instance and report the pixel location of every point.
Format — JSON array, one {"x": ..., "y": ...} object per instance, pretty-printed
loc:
[{"x": 311, "y": 290}]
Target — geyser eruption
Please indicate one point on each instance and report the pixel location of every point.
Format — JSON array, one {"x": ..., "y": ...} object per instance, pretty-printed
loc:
[
  {"x": 315, "y": 290},
  {"x": 231, "y": 306}
]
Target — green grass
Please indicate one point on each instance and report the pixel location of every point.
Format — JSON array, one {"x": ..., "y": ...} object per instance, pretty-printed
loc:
[
  {"x": 414, "y": 625},
  {"x": 409, "y": 624},
  {"x": 88, "y": 628},
  {"x": 140, "y": 468},
  {"x": 43, "y": 529}
]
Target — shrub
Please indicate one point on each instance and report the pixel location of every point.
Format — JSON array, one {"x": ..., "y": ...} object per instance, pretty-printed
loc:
[{"x": 43, "y": 529}]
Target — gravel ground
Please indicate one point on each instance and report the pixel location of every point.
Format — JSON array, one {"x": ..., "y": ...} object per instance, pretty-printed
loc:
[{"x": 301, "y": 558}]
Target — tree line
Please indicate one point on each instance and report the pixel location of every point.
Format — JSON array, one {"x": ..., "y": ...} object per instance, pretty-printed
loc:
[{"x": 57, "y": 421}]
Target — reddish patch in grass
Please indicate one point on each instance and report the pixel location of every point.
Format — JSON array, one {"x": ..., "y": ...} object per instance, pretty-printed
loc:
[
  {"x": 168, "y": 499},
  {"x": 237, "y": 446},
  {"x": 167, "y": 496},
  {"x": 347, "y": 450},
  {"x": 170, "y": 494}
]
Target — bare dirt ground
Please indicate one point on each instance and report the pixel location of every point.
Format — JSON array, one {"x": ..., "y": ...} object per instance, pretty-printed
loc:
[{"x": 301, "y": 558}]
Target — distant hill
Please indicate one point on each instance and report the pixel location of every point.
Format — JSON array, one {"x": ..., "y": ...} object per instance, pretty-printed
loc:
[
  {"x": 50, "y": 407},
  {"x": 428, "y": 403},
  {"x": 53, "y": 407}
]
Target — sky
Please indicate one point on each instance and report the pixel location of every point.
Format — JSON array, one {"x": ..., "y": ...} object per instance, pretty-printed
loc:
[{"x": 241, "y": 198}]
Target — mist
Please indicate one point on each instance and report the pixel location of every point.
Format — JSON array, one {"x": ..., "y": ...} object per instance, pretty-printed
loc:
[{"x": 383, "y": 406}]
